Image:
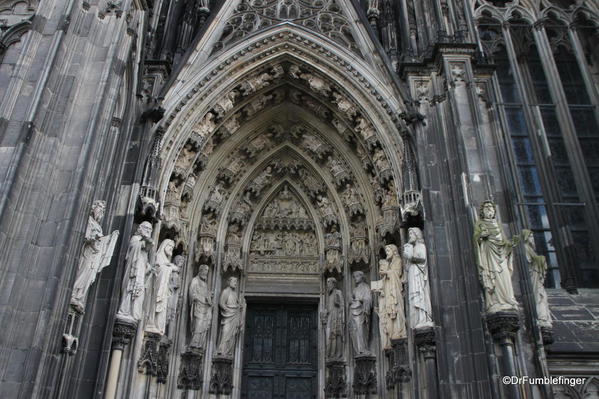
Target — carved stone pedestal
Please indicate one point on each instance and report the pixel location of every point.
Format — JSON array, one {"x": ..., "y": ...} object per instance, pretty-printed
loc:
[
  {"x": 190, "y": 371},
  {"x": 163, "y": 360},
  {"x": 399, "y": 367},
  {"x": 70, "y": 340},
  {"x": 365, "y": 375},
  {"x": 426, "y": 344},
  {"x": 336, "y": 385},
  {"x": 547, "y": 334},
  {"x": 148, "y": 361},
  {"x": 122, "y": 333},
  {"x": 503, "y": 326},
  {"x": 221, "y": 381}
]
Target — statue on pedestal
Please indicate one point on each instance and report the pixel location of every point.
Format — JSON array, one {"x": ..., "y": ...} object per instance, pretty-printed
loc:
[
  {"x": 334, "y": 319},
  {"x": 359, "y": 313},
  {"x": 231, "y": 310},
  {"x": 200, "y": 301},
  {"x": 494, "y": 260},
  {"x": 137, "y": 267},
  {"x": 538, "y": 270},
  {"x": 162, "y": 276},
  {"x": 419, "y": 298},
  {"x": 96, "y": 255}
]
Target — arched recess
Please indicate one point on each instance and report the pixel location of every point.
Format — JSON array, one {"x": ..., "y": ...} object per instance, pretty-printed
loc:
[{"x": 285, "y": 110}]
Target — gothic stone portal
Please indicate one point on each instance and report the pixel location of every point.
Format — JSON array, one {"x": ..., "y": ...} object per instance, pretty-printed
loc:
[{"x": 280, "y": 352}]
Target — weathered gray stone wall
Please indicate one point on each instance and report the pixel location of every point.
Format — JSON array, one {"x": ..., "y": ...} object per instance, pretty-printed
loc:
[{"x": 64, "y": 144}]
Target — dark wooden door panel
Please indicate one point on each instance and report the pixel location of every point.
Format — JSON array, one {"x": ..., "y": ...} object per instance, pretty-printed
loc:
[{"x": 280, "y": 352}]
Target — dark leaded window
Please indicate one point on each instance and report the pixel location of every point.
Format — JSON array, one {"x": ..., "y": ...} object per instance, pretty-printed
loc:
[{"x": 545, "y": 149}]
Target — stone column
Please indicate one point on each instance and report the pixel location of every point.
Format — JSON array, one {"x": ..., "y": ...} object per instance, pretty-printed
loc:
[
  {"x": 503, "y": 326},
  {"x": 426, "y": 344},
  {"x": 121, "y": 336}
]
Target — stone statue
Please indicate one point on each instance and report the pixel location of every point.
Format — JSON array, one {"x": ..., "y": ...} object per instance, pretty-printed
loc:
[
  {"x": 231, "y": 309},
  {"x": 419, "y": 298},
  {"x": 138, "y": 266},
  {"x": 333, "y": 250},
  {"x": 494, "y": 260},
  {"x": 200, "y": 301},
  {"x": 173, "y": 286},
  {"x": 391, "y": 303},
  {"x": 95, "y": 256},
  {"x": 162, "y": 277},
  {"x": 334, "y": 318},
  {"x": 538, "y": 270},
  {"x": 359, "y": 313},
  {"x": 385, "y": 321}
]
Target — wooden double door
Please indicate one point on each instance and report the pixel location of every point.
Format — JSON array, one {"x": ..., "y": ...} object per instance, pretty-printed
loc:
[{"x": 280, "y": 352}]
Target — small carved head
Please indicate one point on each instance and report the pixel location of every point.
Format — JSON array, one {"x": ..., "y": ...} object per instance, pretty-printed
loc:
[
  {"x": 528, "y": 237},
  {"x": 383, "y": 265},
  {"x": 203, "y": 271},
  {"x": 232, "y": 282},
  {"x": 167, "y": 247},
  {"x": 391, "y": 251},
  {"x": 97, "y": 211},
  {"x": 487, "y": 210},
  {"x": 331, "y": 283},
  {"x": 415, "y": 235},
  {"x": 358, "y": 276},
  {"x": 145, "y": 229},
  {"x": 179, "y": 261}
]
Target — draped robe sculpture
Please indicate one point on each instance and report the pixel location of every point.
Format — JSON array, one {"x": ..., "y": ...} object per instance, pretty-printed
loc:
[
  {"x": 419, "y": 299},
  {"x": 494, "y": 260},
  {"x": 359, "y": 312},
  {"x": 96, "y": 255},
  {"x": 137, "y": 267},
  {"x": 334, "y": 320},
  {"x": 231, "y": 309},
  {"x": 538, "y": 269},
  {"x": 200, "y": 301},
  {"x": 162, "y": 277},
  {"x": 391, "y": 303}
]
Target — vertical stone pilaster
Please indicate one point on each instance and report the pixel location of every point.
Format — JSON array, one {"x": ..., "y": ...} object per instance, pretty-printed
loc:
[
  {"x": 503, "y": 326},
  {"x": 427, "y": 346}
]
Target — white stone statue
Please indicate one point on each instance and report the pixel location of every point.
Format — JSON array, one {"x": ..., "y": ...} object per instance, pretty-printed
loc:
[
  {"x": 334, "y": 318},
  {"x": 360, "y": 308},
  {"x": 200, "y": 301},
  {"x": 162, "y": 276},
  {"x": 95, "y": 256},
  {"x": 231, "y": 318},
  {"x": 137, "y": 267},
  {"x": 419, "y": 298},
  {"x": 538, "y": 269},
  {"x": 494, "y": 260}
]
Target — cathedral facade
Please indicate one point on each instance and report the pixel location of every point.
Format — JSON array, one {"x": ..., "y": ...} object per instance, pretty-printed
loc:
[{"x": 299, "y": 199}]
